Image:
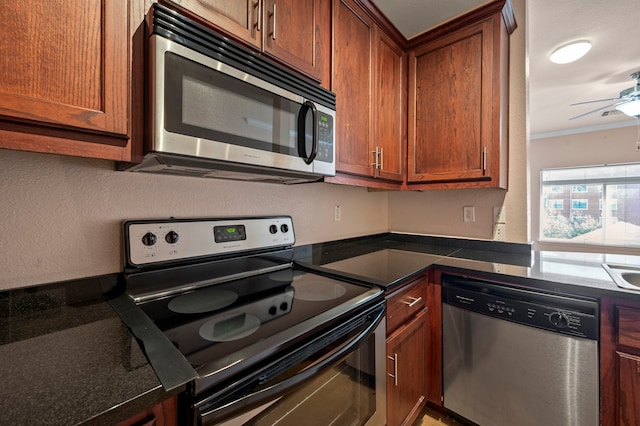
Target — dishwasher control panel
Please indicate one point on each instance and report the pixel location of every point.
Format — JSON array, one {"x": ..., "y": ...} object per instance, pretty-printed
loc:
[{"x": 577, "y": 317}]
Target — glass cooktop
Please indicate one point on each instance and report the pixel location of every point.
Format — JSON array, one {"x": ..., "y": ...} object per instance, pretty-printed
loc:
[
  {"x": 212, "y": 323},
  {"x": 383, "y": 267}
]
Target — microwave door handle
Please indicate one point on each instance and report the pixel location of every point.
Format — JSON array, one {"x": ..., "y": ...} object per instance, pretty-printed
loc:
[{"x": 302, "y": 142}]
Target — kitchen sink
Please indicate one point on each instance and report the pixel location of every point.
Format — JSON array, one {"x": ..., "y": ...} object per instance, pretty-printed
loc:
[{"x": 624, "y": 276}]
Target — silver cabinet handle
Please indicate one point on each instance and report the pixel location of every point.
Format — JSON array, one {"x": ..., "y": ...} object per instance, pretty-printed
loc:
[
  {"x": 258, "y": 9},
  {"x": 381, "y": 159},
  {"x": 394, "y": 358},
  {"x": 375, "y": 163},
  {"x": 273, "y": 14},
  {"x": 414, "y": 301},
  {"x": 484, "y": 160}
]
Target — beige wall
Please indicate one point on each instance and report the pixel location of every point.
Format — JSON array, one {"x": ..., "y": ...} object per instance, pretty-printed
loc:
[
  {"x": 440, "y": 211},
  {"x": 61, "y": 216},
  {"x": 617, "y": 145}
]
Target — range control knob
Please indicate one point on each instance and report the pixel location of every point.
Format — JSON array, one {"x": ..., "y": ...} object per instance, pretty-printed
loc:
[
  {"x": 284, "y": 306},
  {"x": 149, "y": 239},
  {"x": 273, "y": 310},
  {"x": 559, "y": 320},
  {"x": 284, "y": 228},
  {"x": 172, "y": 237},
  {"x": 273, "y": 229}
]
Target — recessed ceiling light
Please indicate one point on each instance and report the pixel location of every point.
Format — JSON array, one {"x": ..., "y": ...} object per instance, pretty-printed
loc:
[{"x": 570, "y": 52}]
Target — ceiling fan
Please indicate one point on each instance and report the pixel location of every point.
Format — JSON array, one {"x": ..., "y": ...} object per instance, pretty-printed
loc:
[{"x": 628, "y": 102}]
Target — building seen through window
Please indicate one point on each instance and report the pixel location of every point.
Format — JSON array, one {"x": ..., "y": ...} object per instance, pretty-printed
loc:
[{"x": 592, "y": 205}]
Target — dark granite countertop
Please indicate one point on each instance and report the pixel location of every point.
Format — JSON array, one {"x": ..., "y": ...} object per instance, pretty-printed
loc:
[
  {"x": 67, "y": 358},
  {"x": 562, "y": 272}
]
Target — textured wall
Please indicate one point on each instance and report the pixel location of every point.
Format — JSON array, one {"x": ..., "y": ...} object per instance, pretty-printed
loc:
[{"x": 61, "y": 216}]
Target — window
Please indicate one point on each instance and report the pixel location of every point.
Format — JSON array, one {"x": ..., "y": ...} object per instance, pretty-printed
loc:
[
  {"x": 557, "y": 204},
  {"x": 602, "y": 205},
  {"x": 580, "y": 204}
]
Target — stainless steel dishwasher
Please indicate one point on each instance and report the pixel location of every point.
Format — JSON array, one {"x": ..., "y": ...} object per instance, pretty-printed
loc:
[{"x": 518, "y": 357}]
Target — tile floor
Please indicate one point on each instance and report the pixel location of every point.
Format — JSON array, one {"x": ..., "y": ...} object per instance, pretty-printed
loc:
[{"x": 430, "y": 417}]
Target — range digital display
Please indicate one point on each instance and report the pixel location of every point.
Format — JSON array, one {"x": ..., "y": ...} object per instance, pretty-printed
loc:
[{"x": 224, "y": 234}]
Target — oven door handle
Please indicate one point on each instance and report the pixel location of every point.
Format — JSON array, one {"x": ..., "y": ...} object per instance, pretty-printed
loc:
[{"x": 276, "y": 390}]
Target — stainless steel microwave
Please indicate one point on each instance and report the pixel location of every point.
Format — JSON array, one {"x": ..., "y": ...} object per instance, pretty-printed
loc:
[{"x": 216, "y": 109}]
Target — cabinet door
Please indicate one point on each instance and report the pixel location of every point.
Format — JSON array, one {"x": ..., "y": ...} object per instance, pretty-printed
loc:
[
  {"x": 65, "y": 66},
  {"x": 390, "y": 107},
  {"x": 297, "y": 32},
  {"x": 163, "y": 414},
  {"x": 451, "y": 87},
  {"x": 353, "y": 54},
  {"x": 242, "y": 18},
  {"x": 629, "y": 389},
  {"x": 406, "y": 384}
]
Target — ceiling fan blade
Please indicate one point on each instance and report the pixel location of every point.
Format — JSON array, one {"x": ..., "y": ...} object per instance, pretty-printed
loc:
[
  {"x": 599, "y": 100},
  {"x": 591, "y": 112}
]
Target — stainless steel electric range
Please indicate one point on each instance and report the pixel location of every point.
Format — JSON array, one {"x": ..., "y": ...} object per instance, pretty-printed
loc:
[{"x": 256, "y": 339}]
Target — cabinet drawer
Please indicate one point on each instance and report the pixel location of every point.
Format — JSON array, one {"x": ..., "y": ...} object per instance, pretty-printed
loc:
[
  {"x": 406, "y": 302},
  {"x": 628, "y": 327}
]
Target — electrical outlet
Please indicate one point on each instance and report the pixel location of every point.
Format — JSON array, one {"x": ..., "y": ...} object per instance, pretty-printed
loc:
[
  {"x": 469, "y": 213},
  {"x": 499, "y": 214},
  {"x": 499, "y": 231},
  {"x": 337, "y": 213}
]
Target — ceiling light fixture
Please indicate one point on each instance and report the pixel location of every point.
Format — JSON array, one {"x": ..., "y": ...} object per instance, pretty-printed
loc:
[
  {"x": 631, "y": 108},
  {"x": 570, "y": 52}
]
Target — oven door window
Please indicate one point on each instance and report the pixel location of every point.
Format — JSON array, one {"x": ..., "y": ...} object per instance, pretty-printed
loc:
[{"x": 209, "y": 104}]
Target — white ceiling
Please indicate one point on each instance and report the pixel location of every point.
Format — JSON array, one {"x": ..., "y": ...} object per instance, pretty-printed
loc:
[{"x": 611, "y": 26}]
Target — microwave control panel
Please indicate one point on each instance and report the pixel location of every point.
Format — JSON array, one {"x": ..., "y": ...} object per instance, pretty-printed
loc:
[{"x": 325, "y": 138}]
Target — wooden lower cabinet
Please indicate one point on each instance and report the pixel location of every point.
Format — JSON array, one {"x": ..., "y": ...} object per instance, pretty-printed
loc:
[
  {"x": 433, "y": 353},
  {"x": 628, "y": 389},
  {"x": 408, "y": 354},
  {"x": 406, "y": 381},
  {"x": 619, "y": 362},
  {"x": 163, "y": 414}
]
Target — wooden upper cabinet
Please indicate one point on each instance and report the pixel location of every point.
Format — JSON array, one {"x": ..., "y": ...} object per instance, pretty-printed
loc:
[
  {"x": 390, "y": 109},
  {"x": 65, "y": 77},
  {"x": 297, "y": 33},
  {"x": 353, "y": 55},
  {"x": 458, "y": 105},
  {"x": 369, "y": 79},
  {"x": 239, "y": 17}
]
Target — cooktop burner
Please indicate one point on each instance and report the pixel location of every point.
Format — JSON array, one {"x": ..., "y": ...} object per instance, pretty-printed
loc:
[
  {"x": 318, "y": 290},
  {"x": 226, "y": 329},
  {"x": 206, "y": 300}
]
